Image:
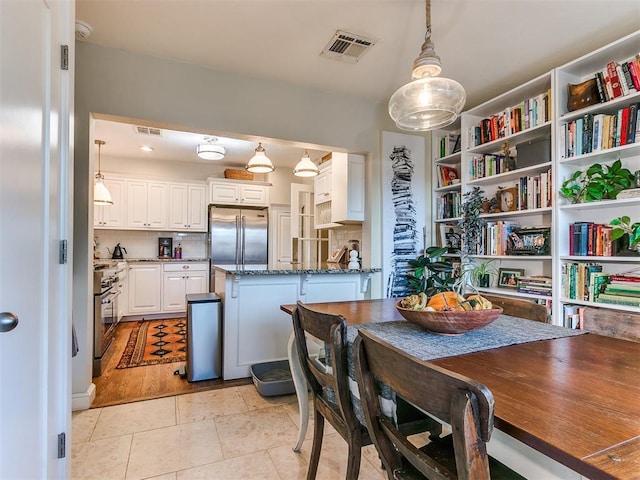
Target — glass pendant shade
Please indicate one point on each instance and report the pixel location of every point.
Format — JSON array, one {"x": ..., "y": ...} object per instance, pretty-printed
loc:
[
  {"x": 208, "y": 151},
  {"x": 305, "y": 167},
  {"x": 427, "y": 103},
  {"x": 101, "y": 194},
  {"x": 260, "y": 163}
]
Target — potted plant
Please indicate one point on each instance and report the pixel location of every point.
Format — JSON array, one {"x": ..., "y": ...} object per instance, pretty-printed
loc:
[
  {"x": 480, "y": 274},
  {"x": 622, "y": 226},
  {"x": 432, "y": 273},
  {"x": 471, "y": 224},
  {"x": 598, "y": 182}
]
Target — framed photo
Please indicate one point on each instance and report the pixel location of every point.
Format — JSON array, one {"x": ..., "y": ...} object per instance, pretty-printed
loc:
[
  {"x": 451, "y": 237},
  {"x": 508, "y": 277},
  {"x": 507, "y": 199},
  {"x": 338, "y": 256}
]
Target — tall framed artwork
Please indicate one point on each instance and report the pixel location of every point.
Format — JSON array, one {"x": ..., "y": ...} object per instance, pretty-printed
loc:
[{"x": 403, "y": 207}]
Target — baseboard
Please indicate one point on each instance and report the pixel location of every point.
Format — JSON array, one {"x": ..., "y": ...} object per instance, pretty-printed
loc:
[
  {"x": 153, "y": 316},
  {"x": 83, "y": 401}
]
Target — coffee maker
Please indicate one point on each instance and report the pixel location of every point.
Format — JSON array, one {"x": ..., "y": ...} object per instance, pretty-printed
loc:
[{"x": 165, "y": 247}]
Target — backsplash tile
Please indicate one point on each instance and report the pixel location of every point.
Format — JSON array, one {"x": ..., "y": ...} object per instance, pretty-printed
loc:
[{"x": 140, "y": 244}]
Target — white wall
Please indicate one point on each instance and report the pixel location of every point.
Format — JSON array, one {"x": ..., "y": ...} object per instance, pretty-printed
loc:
[{"x": 114, "y": 82}]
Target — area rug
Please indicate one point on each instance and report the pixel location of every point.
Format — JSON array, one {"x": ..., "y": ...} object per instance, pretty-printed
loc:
[{"x": 156, "y": 341}]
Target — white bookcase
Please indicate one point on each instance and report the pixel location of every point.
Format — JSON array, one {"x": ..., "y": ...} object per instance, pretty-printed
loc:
[
  {"x": 599, "y": 212},
  {"x": 558, "y": 213}
]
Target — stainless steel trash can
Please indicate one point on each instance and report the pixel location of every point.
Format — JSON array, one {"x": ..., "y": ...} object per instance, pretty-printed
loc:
[{"x": 204, "y": 336}]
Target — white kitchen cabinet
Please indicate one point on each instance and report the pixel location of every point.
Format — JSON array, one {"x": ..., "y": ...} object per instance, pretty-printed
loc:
[
  {"x": 146, "y": 204},
  {"x": 179, "y": 280},
  {"x": 145, "y": 287},
  {"x": 226, "y": 192},
  {"x": 280, "y": 234},
  {"x": 111, "y": 216},
  {"x": 187, "y": 207},
  {"x": 339, "y": 191}
]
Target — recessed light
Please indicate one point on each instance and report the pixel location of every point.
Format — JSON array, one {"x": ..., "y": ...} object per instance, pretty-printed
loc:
[{"x": 146, "y": 148}]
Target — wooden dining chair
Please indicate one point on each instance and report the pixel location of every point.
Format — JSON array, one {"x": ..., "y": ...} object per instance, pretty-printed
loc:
[
  {"x": 612, "y": 323},
  {"x": 520, "y": 308},
  {"x": 464, "y": 404},
  {"x": 329, "y": 381}
]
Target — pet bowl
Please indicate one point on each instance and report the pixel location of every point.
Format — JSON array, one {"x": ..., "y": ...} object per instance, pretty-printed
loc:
[{"x": 450, "y": 322}]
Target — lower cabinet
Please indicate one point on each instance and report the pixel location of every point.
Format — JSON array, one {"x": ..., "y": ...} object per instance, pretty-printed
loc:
[
  {"x": 162, "y": 287},
  {"x": 179, "y": 280}
]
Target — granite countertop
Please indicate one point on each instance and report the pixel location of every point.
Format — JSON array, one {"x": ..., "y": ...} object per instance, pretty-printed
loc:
[{"x": 292, "y": 269}]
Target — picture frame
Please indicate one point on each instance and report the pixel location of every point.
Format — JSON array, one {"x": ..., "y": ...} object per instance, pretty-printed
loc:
[
  {"x": 338, "y": 256},
  {"x": 450, "y": 237},
  {"x": 508, "y": 277},
  {"x": 529, "y": 241},
  {"x": 507, "y": 199}
]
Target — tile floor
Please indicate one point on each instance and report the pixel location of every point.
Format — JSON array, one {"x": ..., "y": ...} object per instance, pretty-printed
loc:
[{"x": 232, "y": 433}]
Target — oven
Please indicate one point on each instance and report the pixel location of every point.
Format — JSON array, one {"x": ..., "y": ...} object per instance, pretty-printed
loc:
[{"x": 105, "y": 317}]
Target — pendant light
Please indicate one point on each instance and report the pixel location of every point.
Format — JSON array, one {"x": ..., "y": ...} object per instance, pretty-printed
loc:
[
  {"x": 260, "y": 163},
  {"x": 429, "y": 101},
  {"x": 305, "y": 167},
  {"x": 209, "y": 150},
  {"x": 101, "y": 195}
]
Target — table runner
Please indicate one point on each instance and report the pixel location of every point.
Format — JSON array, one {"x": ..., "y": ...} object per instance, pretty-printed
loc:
[{"x": 502, "y": 332}]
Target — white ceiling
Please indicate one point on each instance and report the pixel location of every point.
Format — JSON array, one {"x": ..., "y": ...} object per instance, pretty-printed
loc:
[{"x": 488, "y": 46}]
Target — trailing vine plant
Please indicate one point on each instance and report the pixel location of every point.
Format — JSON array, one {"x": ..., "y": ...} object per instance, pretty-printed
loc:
[{"x": 470, "y": 222}]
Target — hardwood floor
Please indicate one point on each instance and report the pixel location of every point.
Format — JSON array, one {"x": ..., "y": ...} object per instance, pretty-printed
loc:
[{"x": 126, "y": 385}]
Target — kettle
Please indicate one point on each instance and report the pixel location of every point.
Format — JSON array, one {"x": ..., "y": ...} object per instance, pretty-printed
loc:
[{"x": 117, "y": 252}]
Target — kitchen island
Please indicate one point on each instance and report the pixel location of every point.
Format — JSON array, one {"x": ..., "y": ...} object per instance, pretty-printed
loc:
[{"x": 255, "y": 330}]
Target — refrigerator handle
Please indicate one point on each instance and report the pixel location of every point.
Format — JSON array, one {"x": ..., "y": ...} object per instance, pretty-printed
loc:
[
  {"x": 238, "y": 241},
  {"x": 243, "y": 226}
]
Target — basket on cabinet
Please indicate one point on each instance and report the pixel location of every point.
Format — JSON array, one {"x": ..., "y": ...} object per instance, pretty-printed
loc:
[{"x": 236, "y": 174}]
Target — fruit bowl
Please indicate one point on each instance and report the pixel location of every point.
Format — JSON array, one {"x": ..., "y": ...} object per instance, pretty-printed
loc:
[{"x": 450, "y": 322}]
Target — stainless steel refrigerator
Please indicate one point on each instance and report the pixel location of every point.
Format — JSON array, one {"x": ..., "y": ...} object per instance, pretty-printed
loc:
[{"x": 237, "y": 236}]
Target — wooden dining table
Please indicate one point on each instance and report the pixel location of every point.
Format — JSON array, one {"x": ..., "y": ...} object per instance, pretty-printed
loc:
[{"x": 575, "y": 399}]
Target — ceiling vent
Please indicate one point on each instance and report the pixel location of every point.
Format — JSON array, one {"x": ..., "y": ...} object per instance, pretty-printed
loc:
[
  {"x": 156, "y": 132},
  {"x": 347, "y": 47}
]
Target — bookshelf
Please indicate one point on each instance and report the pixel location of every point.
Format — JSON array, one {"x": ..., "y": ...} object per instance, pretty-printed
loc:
[
  {"x": 446, "y": 154},
  {"x": 497, "y": 156},
  {"x": 574, "y": 152}
]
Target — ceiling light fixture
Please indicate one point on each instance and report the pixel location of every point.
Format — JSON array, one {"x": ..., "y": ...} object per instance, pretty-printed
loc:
[
  {"x": 209, "y": 150},
  {"x": 428, "y": 101},
  {"x": 146, "y": 148},
  {"x": 305, "y": 167},
  {"x": 260, "y": 163},
  {"x": 101, "y": 195}
]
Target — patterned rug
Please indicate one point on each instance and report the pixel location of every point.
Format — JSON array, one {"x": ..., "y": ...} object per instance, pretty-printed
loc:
[{"x": 156, "y": 341}]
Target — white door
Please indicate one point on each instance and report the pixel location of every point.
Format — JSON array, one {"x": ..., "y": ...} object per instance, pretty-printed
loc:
[{"x": 35, "y": 356}]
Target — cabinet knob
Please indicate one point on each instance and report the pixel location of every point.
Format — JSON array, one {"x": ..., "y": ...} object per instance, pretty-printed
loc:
[{"x": 185, "y": 266}]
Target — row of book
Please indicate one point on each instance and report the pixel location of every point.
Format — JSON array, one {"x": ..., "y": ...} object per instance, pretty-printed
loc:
[
  {"x": 596, "y": 132},
  {"x": 618, "y": 79},
  {"x": 449, "y": 144},
  {"x": 622, "y": 289},
  {"x": 447, "y": 175},
  {"x": 448, "y": 205},
  {"x": 535, "y": 191},
  {"x": 582, "y": 280},
  {"x": 572, "y": 316},
  {"x": 590, "y": 239},
  {"x": 481, "y": 166},
  {"x": 495, "y": 237},
  {"x": 527, "y": 114},
  {"x": 535, "y": 284}
]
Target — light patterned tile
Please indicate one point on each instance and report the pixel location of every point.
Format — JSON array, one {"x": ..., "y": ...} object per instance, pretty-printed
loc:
[
  {"x": 82, "y": 424},
  {"x": 255, "y": 430},
  {"x": 175, "y": 448},
  {"x": 255, "y": 466},
  {"x": 210, "y": 404},
  {"x": 332, "y": 465},
  {"x": 255, "y": 401},
  {"x": 135, "y": 417},
  {"x": 101, "y": 459}
]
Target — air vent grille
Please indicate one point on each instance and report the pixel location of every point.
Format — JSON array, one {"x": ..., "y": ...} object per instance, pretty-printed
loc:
[
  {"x": 347, "y": 47},
  {"x": 156, "y": 132}
]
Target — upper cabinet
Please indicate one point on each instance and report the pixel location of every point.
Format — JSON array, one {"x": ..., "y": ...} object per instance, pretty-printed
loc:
[
  {"x": 111, "y": 216},
  {"x": 243, "y": 193},
  {"x": 146, "y": 204},
  {"x": 187, "y": 207},
  {"x": 339, "y": 191}
]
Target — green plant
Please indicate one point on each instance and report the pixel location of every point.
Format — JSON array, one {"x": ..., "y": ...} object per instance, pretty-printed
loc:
[
  {"x": 598, "y": 182},
  {"x": 622, "y": 225},
  {"x": 471, "y": 224},
  {"x": 475, "y": 272},
  {"x": 432, "y": 273}
]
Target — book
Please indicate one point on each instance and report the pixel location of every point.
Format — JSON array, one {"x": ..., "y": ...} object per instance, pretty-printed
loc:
[
  {"x": 618, "y": 300},
  {"x": 616, "y": 87},
  {"x": 597, "y": 283}
]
